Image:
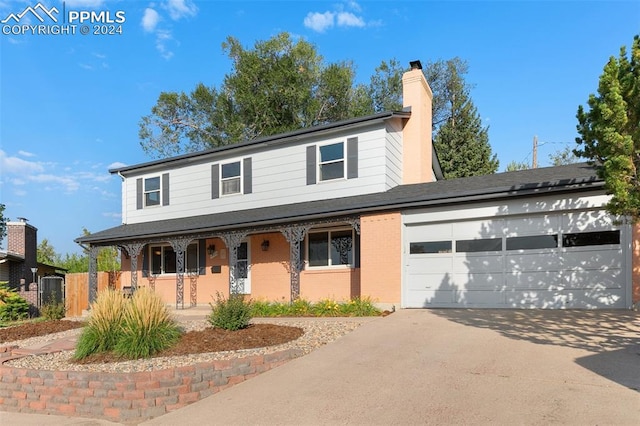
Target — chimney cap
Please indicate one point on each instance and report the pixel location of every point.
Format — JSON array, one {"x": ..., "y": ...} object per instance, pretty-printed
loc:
[
  {"x": 23, "y": 219},
  {"x": 415, "y": 65}
]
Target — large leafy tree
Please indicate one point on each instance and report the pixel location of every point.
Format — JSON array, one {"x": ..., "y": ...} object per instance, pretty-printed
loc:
[
  {"x": 461, "y": 141},
  {"x": 282, "y": 85},
  {"x": 278, "y": 86},
  {"x": 610, "y": 131},
  {"x": 46, "y": 253}
]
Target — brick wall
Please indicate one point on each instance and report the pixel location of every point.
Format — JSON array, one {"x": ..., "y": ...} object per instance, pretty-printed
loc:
[
  {"x": 22, "y": 238},
  {"x": 127, "y": 397}
]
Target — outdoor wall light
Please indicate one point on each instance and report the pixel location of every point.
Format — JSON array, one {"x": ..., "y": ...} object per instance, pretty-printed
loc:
[
  {"x": 211, "y": 249},
  {"x": 265, "y": 245}
]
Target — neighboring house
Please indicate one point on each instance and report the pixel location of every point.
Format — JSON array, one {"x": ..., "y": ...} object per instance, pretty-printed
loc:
[
  {"x": 18, "y": 262},
  {"x": 359, "y": 209}
]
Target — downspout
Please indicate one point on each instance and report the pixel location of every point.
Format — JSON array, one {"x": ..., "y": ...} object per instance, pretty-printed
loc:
[{"x": 122, "y": 198}]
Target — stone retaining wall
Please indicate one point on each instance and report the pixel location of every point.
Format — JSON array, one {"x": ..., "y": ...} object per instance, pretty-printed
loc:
[{"x": 126, "y": 397}]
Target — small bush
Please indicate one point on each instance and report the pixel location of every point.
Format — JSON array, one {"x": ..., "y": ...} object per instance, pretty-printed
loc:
[
  {"x": 104, "y": 326},
  {"x": 356, "y": 307},
  {"x": 232, "y": 314},
  {"x": 53, "y": 310},
  {"x": 147, "y": 326},
  {"x": 13, "y": 307}
]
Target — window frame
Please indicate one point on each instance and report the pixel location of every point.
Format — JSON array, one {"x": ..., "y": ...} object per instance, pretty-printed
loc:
[
  {"x": 330, "y": 265},
  {"x": 146, "y": 192},
  {"x": 163, "y": 253},
  {"x": 320, "y": 163},
  {"x": 240, "y": 178}
]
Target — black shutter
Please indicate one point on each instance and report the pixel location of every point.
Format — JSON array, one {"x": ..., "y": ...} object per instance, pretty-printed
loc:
[
  {"x": 311, "y": 165},
  {"x": 202, "y": 256},
  {"x": 165, "y": 189},
  {"x": 145, "y": 261},
  {"x": 139, "y": 193},
  {"x": 352, "y": 158},
  {"x": 215, "y": 181},
  {"x": 356, "y": 250},
  {"x": 247, "y": 175}
]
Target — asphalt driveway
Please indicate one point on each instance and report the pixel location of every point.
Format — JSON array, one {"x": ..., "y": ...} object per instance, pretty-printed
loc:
[{"x": 441, "y": 367}]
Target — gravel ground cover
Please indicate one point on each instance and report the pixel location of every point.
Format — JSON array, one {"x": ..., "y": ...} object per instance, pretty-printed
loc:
[{"x": 316, "y": 332}]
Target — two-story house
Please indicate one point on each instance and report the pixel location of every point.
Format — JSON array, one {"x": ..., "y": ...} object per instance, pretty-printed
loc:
[{"x": 359, "y": 208}]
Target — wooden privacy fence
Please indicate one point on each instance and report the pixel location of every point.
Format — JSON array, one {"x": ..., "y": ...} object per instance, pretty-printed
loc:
[{"x": 77, "y": 289}]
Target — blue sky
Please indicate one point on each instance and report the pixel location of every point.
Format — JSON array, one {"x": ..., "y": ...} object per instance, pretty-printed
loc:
[{"x": 70, "y": 103}]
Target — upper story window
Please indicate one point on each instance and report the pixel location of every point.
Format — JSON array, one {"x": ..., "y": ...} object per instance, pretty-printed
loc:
[
  {"x": 330, "y": 248},
  {"x": 152, "y": 191},
  {"x": 331, "y": 161},
  {"x": 230, "y": 178}
]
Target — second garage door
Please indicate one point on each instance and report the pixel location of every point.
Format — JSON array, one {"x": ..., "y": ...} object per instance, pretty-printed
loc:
[{"x": 568, "y": 260}]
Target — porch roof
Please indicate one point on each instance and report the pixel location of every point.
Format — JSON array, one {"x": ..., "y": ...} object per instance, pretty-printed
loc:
[{"x": 541, "y": 181}]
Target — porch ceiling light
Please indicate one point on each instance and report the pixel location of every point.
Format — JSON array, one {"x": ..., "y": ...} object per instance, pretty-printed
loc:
[{"x": 265, "y": 245}]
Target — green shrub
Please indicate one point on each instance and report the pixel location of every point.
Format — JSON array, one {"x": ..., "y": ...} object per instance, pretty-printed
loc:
[
  {"x": 52, "y": 309},
  {"x": 13, "y": 307},
  {"x": 147, "y": 326},
  {"x": 232, "y": 314},
  {"x": 104, "y": 326},
  {"x": 356, "y": 307}
]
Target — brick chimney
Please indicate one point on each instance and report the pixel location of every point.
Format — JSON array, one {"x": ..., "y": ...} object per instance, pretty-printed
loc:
[
  {"x": 417, "y": 145},
  {"x": 22, "y": 239}
]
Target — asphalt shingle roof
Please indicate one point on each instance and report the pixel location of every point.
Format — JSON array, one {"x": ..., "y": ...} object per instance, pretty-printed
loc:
[{"x": 445, "y": 192}]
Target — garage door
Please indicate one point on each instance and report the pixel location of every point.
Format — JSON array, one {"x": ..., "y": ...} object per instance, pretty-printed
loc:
[{"x": 571, "y": 260}]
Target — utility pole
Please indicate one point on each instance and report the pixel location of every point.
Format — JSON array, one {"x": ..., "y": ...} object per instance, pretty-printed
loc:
[{"x": 535, "y": 153}]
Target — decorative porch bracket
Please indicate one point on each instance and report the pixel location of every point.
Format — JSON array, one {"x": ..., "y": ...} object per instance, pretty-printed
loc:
[
  {"x": 180, "y": 248},
  {"x": 93, "y": 273},
  {"x": 355, "y": 224},
  {"x": 233, "y": 240},
  {"x": 295, "y": 235},
  {"x": 133, "y": 250}
]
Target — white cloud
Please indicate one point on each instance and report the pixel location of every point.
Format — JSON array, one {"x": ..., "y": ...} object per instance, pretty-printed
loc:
[
  {"x": 162, "y": 37},
  {"x": 99, "y": 55},
  {"x": 20, "y": 192},
  {"x": 180, "y": 9},
  {"x": 85, "y": 66},
  {"x": 18, "y": 166},
  {"x": 150, "y": 20},
  {"x": 26, "y": 154},
  {"x": 112, "y": 215},
  {"x": 116, "y": 165},
  {"x": 67, "y": 183},
  {"x": 348, "y": 19},
  {"x": 344, "y": 15},
  {"x": 319, "y": 22}
]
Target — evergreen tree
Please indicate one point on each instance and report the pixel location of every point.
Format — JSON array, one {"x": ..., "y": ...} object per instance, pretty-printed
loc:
[
  {"x": 462, "y": 143},
  {"x": 610, "y": 131}
]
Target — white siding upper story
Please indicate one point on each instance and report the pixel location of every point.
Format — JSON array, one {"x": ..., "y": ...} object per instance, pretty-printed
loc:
[{"x": 371, "y": 162}]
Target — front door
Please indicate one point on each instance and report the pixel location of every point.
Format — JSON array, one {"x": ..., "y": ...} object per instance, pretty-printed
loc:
[{"x": 243, "y": 268}]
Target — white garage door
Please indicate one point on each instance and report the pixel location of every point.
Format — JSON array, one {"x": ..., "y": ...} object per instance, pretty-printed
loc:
[{"x": 570, "y": 260}]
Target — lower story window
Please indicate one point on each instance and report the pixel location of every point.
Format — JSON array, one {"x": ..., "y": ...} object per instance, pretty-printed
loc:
[
  {"x": 330, "y": 248},
  {"x": 163, "y": 259}
]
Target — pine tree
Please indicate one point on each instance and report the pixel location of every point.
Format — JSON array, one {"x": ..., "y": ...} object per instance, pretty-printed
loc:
[
  {"x": 462, "y": 143},
  {"x": 610, "y": 131}
]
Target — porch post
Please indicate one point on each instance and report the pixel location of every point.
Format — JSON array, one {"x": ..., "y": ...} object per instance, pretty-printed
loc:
[
  {"x": 233, "y": 240},
  {"x": 295, "y": 235},
  {"x": 93, "y": 273},
  {"x": 180, "y": 248},
  {"x": 133, "y": 250}
]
